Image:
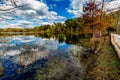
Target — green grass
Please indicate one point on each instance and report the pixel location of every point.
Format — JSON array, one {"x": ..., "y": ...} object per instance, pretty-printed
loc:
[{"x": 107, "y": 64}]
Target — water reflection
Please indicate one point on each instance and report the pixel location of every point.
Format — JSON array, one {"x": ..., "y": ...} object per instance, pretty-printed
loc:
[
  {"x": 16, "y": 51},
  {"x": 30, "y": 54},
  {"x": 67, "y": 38}
]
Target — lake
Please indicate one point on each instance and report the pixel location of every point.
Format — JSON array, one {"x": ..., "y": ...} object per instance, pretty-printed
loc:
[{"x": 22, "y": 55}]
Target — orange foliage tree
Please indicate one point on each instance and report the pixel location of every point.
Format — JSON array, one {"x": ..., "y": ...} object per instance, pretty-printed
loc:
[{"x": 93, "y": 20}]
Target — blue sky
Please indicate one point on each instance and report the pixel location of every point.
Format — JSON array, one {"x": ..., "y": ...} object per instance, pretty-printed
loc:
[
  {"x": 39, "y": 12},
  {"x": 59, "y": 6}
]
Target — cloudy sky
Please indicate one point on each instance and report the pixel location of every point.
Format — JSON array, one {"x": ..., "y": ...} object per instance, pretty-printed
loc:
[{"x": 31, "y": 13}]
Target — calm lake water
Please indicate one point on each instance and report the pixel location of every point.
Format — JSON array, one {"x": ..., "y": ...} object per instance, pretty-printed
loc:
[{"x": 18, "y": 53}]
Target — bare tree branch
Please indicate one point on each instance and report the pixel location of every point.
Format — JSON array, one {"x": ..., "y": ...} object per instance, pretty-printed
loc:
[{"x": 14, "y": 5}]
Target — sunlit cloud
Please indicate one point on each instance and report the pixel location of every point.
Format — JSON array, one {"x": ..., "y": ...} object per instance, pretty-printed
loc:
[
  {"x": 76, "y": 6},
  {"x": 29, "y": 10}
]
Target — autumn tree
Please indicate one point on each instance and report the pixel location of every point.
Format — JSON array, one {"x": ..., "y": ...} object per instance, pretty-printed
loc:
[{"x": 93, "y": 20}]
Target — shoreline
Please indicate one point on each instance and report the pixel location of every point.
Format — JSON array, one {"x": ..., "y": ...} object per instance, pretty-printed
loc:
[{"x": 103, "y": 65}]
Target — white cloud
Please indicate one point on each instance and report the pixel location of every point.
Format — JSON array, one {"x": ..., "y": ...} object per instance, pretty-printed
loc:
[
  {"x": 18, "y": 24},
  {"x": 32, "y": 10},
  {"x": 114, "y": 5},
  {"x": 45, "y": 23},
  {"x": 24, "y": 22},
  {"x": 76, "y": 6}
]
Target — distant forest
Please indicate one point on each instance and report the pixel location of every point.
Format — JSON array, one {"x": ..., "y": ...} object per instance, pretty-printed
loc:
[{"x": 82, "y": 25}]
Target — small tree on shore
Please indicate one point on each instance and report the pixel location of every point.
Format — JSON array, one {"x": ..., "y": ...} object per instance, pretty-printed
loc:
[{"x": 93, "y": 20}]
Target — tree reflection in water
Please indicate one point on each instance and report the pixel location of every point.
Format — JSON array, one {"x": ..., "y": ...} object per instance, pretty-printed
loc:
[{"x": 58, "y": 54}]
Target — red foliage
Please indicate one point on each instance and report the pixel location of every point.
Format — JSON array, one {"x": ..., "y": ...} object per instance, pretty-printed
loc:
[{"x": 93, "y": 17}]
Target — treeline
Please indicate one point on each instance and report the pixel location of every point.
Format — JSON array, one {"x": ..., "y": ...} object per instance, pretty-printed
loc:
[
  {"x": 16, "y": 30},
  {"x": 76, "y": 25},
  {"x": 79, "y": 25},
  {"x": 70, "y": 26}
]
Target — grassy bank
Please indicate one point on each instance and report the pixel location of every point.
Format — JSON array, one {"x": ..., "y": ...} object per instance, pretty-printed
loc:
[{"x": 105, "y": 65}]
